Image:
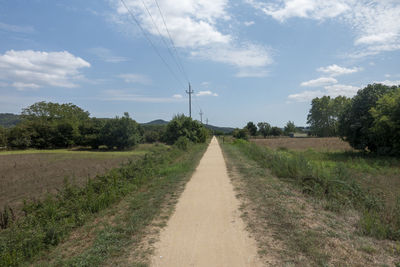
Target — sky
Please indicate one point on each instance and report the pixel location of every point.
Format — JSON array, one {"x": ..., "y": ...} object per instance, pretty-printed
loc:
[{"x": 246, "y": 60}]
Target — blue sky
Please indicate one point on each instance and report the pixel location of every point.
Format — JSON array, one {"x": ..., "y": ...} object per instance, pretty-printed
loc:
[{"x": 247, "y": 60}]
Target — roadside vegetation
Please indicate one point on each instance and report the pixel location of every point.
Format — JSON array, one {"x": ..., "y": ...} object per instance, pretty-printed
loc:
[
  {"x": 325, "y": 206},
  {"x": 144, "y": 180}
]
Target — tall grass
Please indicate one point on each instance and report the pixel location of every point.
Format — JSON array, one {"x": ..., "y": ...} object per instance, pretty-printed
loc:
[
  {"x": 335, "y": 183},
  {"x": 46, "y": 223}
]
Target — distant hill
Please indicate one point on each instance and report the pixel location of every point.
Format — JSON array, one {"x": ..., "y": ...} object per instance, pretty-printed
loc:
[
  {"x": 9, "y": 120},
  {"x": 222, "y": 129},
  {"x": 156, "y": 122}
]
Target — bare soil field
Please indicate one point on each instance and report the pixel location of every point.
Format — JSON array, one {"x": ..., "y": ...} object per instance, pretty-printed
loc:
[
  {"x": 27, "y": 175},
  {"x": 318, "y": 144}
]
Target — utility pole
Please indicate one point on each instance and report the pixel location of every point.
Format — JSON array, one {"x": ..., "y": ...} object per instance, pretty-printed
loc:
[
  {"x": 207, "y": 121},
  {"x": 201, "y": 116},
  {"x": 190, "y": 92}
]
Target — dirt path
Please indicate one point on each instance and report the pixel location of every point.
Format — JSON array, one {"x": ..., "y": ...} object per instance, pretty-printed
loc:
[{"x": 206, "y": 228}]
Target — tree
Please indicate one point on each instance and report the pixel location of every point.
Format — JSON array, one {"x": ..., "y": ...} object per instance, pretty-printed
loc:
[
  {"x": 181, "y": 125},
  {"x": 121, "y": 133},
  {"x": 252, "y": 128},
  {"x": 355, "y": 123},
  {"x": 324, "y": 114},
  {"x": 18, "y": 137},
  {"x": 241, "y": 133},
  {"x": 52, "y": 124},
  {"x": 89, "y": 133},
  {"x": 386, "y": 124},
  {"x": 264, "y": 128},
  {"x": 276, "y": 131},
  {"x": 3, "y": 137},
  {"x": 289, "y": 128}
]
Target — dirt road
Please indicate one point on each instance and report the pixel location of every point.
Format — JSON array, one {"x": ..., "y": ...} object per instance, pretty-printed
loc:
[{"x": 206, "y": 228}]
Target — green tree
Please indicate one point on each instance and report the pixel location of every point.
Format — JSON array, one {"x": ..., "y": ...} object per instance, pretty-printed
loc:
[
  {"x": 264, "y": 128},
  {"x": 386, "y": 124},
  {"x": 181, "y": 125},
  {"x": 252, "y": 128},
  {"x": 19, "y": 137},
  {"x": 241, "y": 133},
  {"x": 324, "y": 114},
  {"x": 3, "y": 137},
  {"x": 289, "y": 128},
  {"x": 89, "y": 133},
  {"x": 276, "y": 131},
  {"x": 121, "y": 133},
  {"x": 355, "y": 123},
  {"x": 52, "y": 124}
]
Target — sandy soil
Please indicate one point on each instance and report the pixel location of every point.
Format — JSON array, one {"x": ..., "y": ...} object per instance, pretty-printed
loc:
[{"x": 206, "y": 228}]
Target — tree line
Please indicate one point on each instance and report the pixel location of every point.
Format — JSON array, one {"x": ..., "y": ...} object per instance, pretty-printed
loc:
[
  {"x": 47, "y": 125},
  {"x": 265, "y": 129},
  {"x": 369, "y": 121}
]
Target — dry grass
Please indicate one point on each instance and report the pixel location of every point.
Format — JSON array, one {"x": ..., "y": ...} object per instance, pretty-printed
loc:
[
  {"x": 31, "y": 176},
  {"x": 318, "y": 144},
  {"x": 293, "y": 229}
]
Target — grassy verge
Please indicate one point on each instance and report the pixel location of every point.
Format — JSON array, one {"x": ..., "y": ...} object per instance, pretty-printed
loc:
[
  {"x": 333, "y": 183},
  {"x": 146, "y": 182},
  {"x": 293, "y": 226}
]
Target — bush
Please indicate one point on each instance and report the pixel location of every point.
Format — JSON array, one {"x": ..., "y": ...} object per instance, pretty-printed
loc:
[
  {"x": 121, "y": 133},
  {"x": 241, "y": 133},
  {"x": 181, "y": 125},
  {"x": 182, "y": 143}
]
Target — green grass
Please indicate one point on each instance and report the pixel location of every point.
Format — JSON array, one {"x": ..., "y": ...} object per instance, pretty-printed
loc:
[
  {"x": 145, "y": 183},
  {"x": 334, "y": 181},
  {"x": 273, "y": 214}
]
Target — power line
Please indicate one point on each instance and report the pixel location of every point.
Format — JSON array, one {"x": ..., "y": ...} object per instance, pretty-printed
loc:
[
  {"x": 163, "y": 39},
  {"x": 172, "y": 42},
  {"x": 151, "y": 43}
]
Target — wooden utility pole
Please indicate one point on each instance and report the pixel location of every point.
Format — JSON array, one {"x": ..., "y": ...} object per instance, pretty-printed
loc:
[{"x": 190, "y": 92}]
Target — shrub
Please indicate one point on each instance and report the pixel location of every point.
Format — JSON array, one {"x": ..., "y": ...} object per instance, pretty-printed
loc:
[
  {"x": 241, "y": 133},
  {"x": 181, "y": 125},
  {"x": 182, "y": 143},
  {"x": 121, "y": 133}
]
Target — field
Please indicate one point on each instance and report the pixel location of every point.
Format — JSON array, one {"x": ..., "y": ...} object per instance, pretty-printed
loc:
[
  {"x": 318, "y": 144},
  {"x": 30, "y": 174}
]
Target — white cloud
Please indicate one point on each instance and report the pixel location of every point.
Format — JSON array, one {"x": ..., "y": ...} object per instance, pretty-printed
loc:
[
  {"x": 191, "y": 23},
  {"x": 305, "y": 96},
  {"x": 16, "y": 28},
  {"x": 37, "y": 69},
  {"x": 390, "y": 83},
  {"x": 330, "y": 90},
  {"x": 121, "y": 95},
  {"x": 341, "y": 89},
  {"x": 249, "y": 23},
  {"x": 374, "y": 22},
  {"x": 243, "y": 56},
  {"x": 206, "y": 93},
  {"x": 194, "y": 25},
  {"x": 319, "y": 82},
  {"x": 335, "y": 70},
  {"x": 177, "y": 96},
  {"x": 107, "y": 55},
  {"x": 135, "y": 78}
]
